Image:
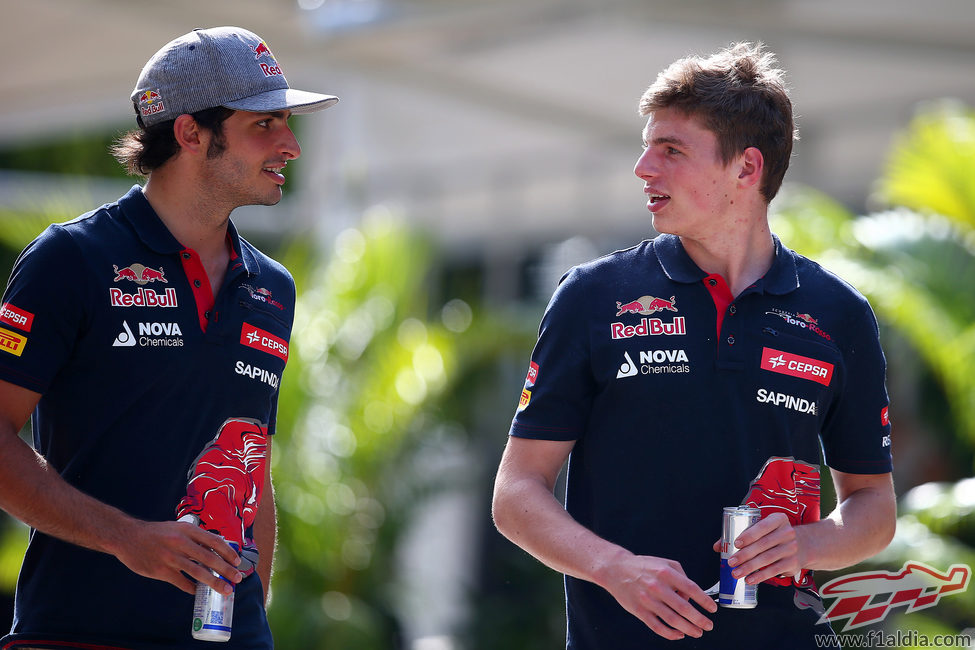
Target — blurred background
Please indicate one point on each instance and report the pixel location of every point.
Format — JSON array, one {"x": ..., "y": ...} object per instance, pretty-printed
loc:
[{"x": 478, "y": 151}]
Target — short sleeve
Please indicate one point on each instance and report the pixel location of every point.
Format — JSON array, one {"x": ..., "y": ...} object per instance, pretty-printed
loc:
[
  {"x": 856, "y": 433},
  {"x": 558, "y": 391},
  {"x": 42, "y": 310}
]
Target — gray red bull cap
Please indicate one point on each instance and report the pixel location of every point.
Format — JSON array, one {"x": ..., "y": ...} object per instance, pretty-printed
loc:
[{"x": 220, "y": 66}]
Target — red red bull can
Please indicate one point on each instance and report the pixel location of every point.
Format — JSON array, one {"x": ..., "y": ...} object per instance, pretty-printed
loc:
[
  {"x": 213, "y": 612},
  {"x": 736, "y": 593}
]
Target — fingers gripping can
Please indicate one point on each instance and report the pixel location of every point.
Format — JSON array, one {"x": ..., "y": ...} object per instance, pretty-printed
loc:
[
  {"x": 213, "y": 611},
  {"x": 733, "y": 592}
]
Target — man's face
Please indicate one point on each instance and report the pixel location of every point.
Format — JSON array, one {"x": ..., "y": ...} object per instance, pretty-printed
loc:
[
  {"x": 689, "y": 189},
  {"x": 248, "y": 168}
]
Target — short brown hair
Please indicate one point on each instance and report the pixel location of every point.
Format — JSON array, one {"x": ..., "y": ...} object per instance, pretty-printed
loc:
[
  {"x": 740, "y": 96},
  {"x": 144, "y": 149}
]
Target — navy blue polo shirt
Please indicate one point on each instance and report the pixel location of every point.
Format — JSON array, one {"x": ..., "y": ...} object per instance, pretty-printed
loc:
[
  {"x": 682, "y": 400},
  {"x": 155, "y": 397}
]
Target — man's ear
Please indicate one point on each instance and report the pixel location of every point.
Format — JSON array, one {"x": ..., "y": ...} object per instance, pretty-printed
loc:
[
  {"x": 751, "y": 165},
  {"x": 189, "y": 135}
]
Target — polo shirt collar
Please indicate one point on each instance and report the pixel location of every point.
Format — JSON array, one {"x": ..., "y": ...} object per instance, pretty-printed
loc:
[
  {"x": 780, "y": 279},
  {"x": 154, "y": 233}
]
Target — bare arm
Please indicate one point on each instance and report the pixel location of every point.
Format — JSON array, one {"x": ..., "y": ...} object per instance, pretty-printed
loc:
[
  {"x": 265, "y": 529},
  {"x": 32, "y": 491},
  {"x": 525, "y": 510},
  {"x": 861, "y": 526}
]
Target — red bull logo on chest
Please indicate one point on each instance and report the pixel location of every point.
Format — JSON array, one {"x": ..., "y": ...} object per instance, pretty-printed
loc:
[
  {"x": 140, "y": 274},
  {"x": 645, "y": 305}
]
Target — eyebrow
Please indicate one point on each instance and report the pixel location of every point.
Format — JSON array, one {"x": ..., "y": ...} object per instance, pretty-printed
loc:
[{"x": 666, "y": 139}]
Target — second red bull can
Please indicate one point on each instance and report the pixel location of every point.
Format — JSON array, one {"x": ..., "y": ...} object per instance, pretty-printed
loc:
[
  {"x": 213, "y": 612},
  {"x": 736, "y": 593}
]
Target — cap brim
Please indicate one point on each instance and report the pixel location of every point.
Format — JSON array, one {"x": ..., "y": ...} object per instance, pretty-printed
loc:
[{"x": 297, "y": 101}]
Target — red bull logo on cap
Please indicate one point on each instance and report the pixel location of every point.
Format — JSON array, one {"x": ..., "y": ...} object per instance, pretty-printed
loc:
[
  {"x": 151, "y": 102},
  {"x": 261, "y": 49},
  {"x": 269, "y": 70},
  {"x": 645, "y": 305}
]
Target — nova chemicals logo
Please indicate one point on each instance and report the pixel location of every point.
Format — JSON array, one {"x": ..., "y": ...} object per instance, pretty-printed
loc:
[
  {"x": 654, "y": 362},
  {"x": 151, "y": 335}
]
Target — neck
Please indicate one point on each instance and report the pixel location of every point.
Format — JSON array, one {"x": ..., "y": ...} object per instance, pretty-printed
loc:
[
  {"x": 740, "y": 258},
  {"x": 193, "y": 221}
]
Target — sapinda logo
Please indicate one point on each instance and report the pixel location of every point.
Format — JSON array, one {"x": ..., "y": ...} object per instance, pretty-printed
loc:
[{"x": 863, "y": 598}]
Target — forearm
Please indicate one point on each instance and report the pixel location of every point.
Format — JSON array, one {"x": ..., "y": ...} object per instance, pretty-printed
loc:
[
  {"x": 265, "y": 535},
  {"x": 527, "y": 513},
  {"x": 861, "y": 526},
  {"x": 32, "y": 490}
]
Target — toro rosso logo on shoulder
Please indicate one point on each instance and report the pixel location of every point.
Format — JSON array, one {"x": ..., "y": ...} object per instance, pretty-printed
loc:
[{"x": 867, "y": 597}]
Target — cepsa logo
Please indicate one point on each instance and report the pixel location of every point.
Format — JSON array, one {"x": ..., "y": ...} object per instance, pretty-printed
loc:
[
  {"x": 15, "y": 317},
  {"x": 255, "y": 337},
  {"x": 794, "y": 365},
  {"x": 532, "y": 374}
]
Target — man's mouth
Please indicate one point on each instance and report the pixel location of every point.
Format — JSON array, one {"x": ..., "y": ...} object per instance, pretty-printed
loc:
[{"x": 275, "y": 172}]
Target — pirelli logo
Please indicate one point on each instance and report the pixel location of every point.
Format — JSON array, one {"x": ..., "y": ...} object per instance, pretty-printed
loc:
[{"x": 12, "y": 342}]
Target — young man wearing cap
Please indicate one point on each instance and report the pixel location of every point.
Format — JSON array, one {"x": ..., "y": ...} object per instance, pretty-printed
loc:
[
  {"x": 146, "y": 340},
  {"x": 700, "y": 370}
]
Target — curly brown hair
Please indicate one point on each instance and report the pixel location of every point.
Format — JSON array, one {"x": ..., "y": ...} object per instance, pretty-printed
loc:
[{"x": 144, "y": 149}]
